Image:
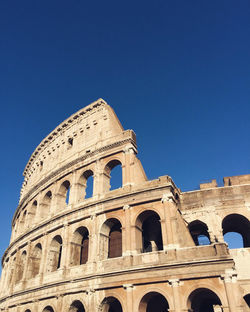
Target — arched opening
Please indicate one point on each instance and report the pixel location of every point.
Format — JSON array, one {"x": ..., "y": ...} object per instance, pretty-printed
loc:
[
  {"x": 111, "y": 239},
  {"x": 152, "y": 302},
  {"x": 247, "y": 299},
  {"x": 112, "y": 175},
  {"x": 55, "y": 254},
  {"x": 85, "y": 186},
  {"x": 45, "y": 205},
  {"x": 199, "y": 233},
  {"x": 64, "y": 194},
  {"x": 34, "y": 261},
  {"x": 20, "y": 266},
  {"x": 76, "y": 306},
  {"x": 80, "y": 246},
  {"x": 149, "y": 234},
  {"x": 235, "y": 223},
  {"x": 111, "y": 304},
  {"x": 27, "y": 310},
  {"x": 48, "y": 309},
  {"x": 203, "y": 300}
]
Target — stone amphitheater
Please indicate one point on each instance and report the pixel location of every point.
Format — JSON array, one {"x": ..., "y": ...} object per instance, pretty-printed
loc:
[{"x": 146, "y": 246}]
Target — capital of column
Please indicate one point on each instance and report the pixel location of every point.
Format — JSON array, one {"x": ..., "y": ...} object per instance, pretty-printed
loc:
[
  {"x": 126, "y": 207},
  {"x": 167, "y": 198},
  {"x": 174, "y": 282},
  {"x": 90, "y": 291},
  {"x": 230, "y": 276},
  {"x": 128, "y": 287}
]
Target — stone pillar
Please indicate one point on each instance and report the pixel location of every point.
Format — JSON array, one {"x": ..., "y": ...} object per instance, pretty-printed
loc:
[
  {"x": 91, "y": 300},
  {"x": 126, "y": 234},
  {"x": 65, "y": 257},
  {"x": 97, "y": 181},
  {"x": 231, "y": 288},
  {"x": 45, "y": 252},
  {"x": 127, "y": 172},
  {"x": 59, "y": 303},
  {"x": 26, "y": 266},
  {"x": 167, "y": 230},
  {"x": 129, "y": 293},
  {"x": 93, "y": 240},
  {"x": 75, "y": 188},
  {"x": 175, "y": 283}
]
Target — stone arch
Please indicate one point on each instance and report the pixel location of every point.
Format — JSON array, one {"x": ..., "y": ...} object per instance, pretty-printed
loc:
[
  {"x": 27, "y": 310},
  {"x": 63, "y": 194},
  {"x": 35, "y": 261},
  {"x": 55, "y": 254},
  {"x": 199, "y": 232},
  {"x": 203, "y": 300},
  {"x": 45, "y": 205},
  {"x": 85, "y": 185},
  {"x": 76, "y": 306},
  {"x": 48, "y": 309},
  {"x": 110, "y": 304},
  {"x": 153, "y": 301},
  {"x": 111, "y": 239},
  {"x": 20, "y": 266},
  {"x": 238, "y": 224},
  {"x": 107, "y": 175},
  {"x": 80, "y": 246},
  {"x": 148, "y": 232}
]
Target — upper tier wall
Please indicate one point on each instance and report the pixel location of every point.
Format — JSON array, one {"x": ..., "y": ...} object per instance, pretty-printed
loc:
[{"x": 90, "y": 129}]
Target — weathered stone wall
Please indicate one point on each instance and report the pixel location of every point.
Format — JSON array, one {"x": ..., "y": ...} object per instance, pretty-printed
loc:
[{"x": 134, "y": 248}]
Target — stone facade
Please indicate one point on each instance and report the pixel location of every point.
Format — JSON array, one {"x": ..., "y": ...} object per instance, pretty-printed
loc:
[{"x": 135, "y": 248}]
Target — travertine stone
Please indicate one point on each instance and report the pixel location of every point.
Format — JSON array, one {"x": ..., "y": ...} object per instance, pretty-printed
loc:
[{"x": 134, "y": 248}]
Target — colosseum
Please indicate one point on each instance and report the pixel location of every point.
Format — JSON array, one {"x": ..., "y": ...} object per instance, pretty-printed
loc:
[{"x": 145, "y": 246}]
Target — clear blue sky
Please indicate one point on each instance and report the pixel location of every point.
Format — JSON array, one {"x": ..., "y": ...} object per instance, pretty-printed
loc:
[{"x": 177, "y": 72}]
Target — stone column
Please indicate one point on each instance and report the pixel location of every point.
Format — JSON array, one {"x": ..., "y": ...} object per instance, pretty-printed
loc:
[
  {"x": 231, "y": 288},
  {"x": 126, "y": 234},
  {"x": 93, "y": 240},
  {"x": 25, "y": 270},
  {"x": 59, "y": 303},
  {"x": 175, "y": 283},
  {"x": 167, "y": 230},
  {"x": 65, "y": 260},
  {"x": 129, "y": 293},
  {"x": 127, "y": 172},
  {"x": 45, "y": 252},
  {"x": 74, "y": 189},
  {"x": 91, "y": 300}
]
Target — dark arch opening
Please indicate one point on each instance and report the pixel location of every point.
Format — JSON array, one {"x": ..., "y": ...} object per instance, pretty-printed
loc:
[
  {"x": 199, "y": 233},
  {"x": 247, "y": 299},
  {"x": 235, "y": 223},
  {"x": 48, "y": 309},
  {"x": 34, "y": 266},
  {"x": 111, "y": 239},
  {"x": 76, "y": 306},
  {"x": 80, "y": 246},
  {"x": 153, "y": 302},
  {"x": 111, "y": 304},
  {"x": 203, "y": 300},
  {"x": 55, "y": 254},
  {"x": 148, "y": 222}
]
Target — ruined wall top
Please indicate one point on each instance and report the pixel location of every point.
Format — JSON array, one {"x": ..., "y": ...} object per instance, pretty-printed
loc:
[{"x": 86, "y": 131}]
